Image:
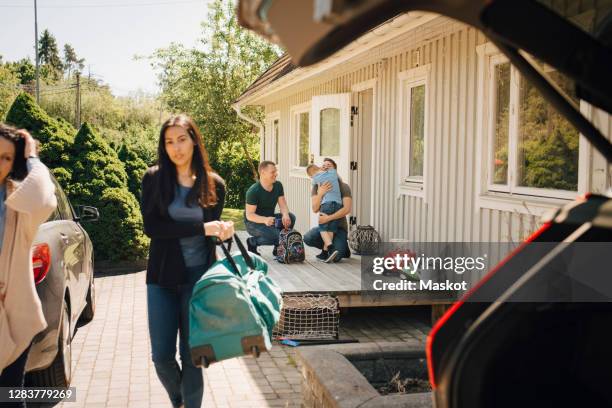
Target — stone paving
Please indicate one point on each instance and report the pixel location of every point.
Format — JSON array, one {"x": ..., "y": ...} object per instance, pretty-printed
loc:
[{"x": 112, "y": 365}]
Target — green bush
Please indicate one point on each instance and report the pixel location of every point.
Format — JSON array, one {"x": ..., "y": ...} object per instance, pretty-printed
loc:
[
  {"x": 56, "y": 138},
  {"x": 8, "y": 89},
  {"x": 99, "y": 179},
  {"x": 90, "y": 172},
  {"x": 118, "y": 234},
  {"x": 95, "y": 165},
  {"x": 63, "y": 177},
  {"x": 135, "y": 168}
]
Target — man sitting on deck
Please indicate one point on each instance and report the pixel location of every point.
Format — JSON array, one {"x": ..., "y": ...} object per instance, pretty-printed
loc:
[
  {"x": 261, "y": 199},
  {"x": 313, "y": 237}
]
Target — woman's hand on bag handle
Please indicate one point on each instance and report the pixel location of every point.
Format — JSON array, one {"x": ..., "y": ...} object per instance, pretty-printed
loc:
[{"x": 223, "y": 230}]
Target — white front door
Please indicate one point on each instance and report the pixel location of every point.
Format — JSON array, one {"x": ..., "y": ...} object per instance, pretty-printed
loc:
[{"x": 329, "y": 124}]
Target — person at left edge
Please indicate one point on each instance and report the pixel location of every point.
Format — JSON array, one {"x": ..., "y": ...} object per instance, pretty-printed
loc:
[{"x": 27, "y": 198}]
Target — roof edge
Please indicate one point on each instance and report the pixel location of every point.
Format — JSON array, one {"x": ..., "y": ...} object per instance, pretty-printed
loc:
[{"x": 385, "y": 32}]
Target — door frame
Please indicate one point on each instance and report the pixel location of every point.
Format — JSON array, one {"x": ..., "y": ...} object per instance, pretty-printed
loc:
[
  {"x": 269, "y": 142},
  {"x": 355, "y": 89}
]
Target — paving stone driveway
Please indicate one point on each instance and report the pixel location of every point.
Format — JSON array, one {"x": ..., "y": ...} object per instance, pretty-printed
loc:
[{"x": 112, "y": 365}]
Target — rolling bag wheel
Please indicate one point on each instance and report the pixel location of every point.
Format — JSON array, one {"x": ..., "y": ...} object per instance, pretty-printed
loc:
[{"x": 255, "y": 351}]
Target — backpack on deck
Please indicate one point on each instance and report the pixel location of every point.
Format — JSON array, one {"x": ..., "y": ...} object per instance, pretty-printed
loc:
[{"x": 290, "y": 247}]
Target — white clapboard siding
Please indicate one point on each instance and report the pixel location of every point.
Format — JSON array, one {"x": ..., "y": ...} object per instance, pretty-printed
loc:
[{"x": 449, "y": 211}]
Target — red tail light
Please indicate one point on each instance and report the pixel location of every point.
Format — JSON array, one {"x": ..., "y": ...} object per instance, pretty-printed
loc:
[
  {"x": 41, "y": 262},
  {"x": 456, "y": 306}
]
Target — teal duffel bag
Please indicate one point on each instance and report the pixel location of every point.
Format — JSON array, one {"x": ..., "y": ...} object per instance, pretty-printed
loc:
[{"x": 233, "y": 309}]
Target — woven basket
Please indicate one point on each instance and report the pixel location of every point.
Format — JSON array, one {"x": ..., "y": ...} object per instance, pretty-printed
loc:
[{"x": 364, "y": 240}]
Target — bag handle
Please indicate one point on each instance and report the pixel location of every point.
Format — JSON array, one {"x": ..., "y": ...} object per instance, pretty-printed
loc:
[
  {"x": 245, "y": 254},
  {"x": 228, "y": 255}
]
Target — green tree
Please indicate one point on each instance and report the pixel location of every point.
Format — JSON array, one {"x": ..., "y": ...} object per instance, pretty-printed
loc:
[
  {"x": 72, "y": 63},
  {"x": 9, "y": 89},
  {"x": 24, "y": 69},
  {"x": 135, "y": 168},
  {"x": 204, "y": 81},
  {"x": 56, "y": 137},
  {"x": 48, "y": 55}
]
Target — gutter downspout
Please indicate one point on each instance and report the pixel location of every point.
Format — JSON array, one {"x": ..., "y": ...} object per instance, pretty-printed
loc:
[{"x": 242, "y": 116}]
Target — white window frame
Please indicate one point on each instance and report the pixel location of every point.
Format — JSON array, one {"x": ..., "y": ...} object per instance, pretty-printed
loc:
[
  {"x": 510, "y": 197},
  {"x": 407, "y": 80},
  {"x": 294, "y": 119},
  {"x": 270, "y": 149}
]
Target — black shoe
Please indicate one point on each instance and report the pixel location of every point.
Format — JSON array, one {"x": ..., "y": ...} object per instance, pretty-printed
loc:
[
  {"x": 275, "y": 250},
  {"x": 252, "y": 246},
  {"x": 322, "y": 256},
  {"x": 332, "y": 254}
]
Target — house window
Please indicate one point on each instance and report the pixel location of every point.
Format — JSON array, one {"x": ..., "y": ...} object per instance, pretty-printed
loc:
[
  {"x": 330, "y": 132},
  {"x": 303, "y": 128},
  {"x": 412, "y": 125},
  {"x": 300, "y": 134},
  {"x": 533, "y": 150},
  {"x": 417, "y": 132}
]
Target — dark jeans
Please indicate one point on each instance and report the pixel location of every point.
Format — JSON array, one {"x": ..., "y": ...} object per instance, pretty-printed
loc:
[
  {"x": 14, "y": 376},
  {"x": 263, "y": 234},
  {"x": 328, "y": 208},
  {"x": 313, "y": 238},
  {"x": 168, "y": 310}
]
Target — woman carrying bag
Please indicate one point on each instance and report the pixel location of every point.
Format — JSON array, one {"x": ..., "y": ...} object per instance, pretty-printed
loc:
[
  {"x": 182, "y": 201},
  {"x": 27, "y": 198}
]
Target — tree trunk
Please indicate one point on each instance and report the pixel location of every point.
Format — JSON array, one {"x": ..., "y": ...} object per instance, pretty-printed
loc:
[{"x": 249, "y": 158}]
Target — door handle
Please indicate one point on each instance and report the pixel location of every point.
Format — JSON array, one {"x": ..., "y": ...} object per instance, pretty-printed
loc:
[{"x": 65, "y": 239}]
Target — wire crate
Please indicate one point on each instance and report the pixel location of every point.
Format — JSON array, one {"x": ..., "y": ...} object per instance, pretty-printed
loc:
[{"x": 308, "y": 317}]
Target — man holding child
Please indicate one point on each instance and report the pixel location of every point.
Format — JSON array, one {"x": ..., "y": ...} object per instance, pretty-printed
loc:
[{"x": 337, "y": 214}]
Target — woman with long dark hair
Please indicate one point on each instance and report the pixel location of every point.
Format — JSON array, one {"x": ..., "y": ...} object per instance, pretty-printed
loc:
[
  {"x": 182, "y": 201},
  {"x": 27, "y": 198}
]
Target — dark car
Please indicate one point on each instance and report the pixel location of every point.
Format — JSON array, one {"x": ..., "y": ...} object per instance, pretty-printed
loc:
[
  {"x": 62, "y": 258},
  {"x": 537, "y": 329}
]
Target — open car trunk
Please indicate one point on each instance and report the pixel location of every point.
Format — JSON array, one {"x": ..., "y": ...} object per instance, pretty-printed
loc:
[{"x": 517, "y": 352}]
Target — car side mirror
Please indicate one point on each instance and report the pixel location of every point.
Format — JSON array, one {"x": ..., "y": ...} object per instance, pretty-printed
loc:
[{"x": 87, "y": 213}]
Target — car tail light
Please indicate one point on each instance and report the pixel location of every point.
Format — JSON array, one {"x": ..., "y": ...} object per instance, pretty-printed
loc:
[
  {"x": 446, "y": 316},
  {"x": 41, "y": 262}
]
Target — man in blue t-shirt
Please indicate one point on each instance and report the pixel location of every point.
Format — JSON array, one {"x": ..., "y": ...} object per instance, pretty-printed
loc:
[
  {"x": 330, "y": 203},
  {"x": 261, "y": 221}
]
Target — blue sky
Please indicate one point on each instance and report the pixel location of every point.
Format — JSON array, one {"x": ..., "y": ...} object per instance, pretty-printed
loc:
[{"x": 107, "y": 33}]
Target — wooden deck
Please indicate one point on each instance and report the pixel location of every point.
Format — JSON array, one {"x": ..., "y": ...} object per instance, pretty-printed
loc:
[{"x": 341, "y": 279}]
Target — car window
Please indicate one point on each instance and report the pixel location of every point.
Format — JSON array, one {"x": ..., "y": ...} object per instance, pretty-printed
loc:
[
  {"x": 55, "y": 216},
  {"x": 63, "y": 209},
  {"x": 64, "y": 206}
]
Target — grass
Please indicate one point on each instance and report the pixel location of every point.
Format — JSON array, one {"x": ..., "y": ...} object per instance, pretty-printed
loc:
[{"x": 233, "y": 214}]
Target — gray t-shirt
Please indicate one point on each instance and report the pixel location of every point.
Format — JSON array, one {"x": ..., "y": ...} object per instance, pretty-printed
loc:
[
  {"x": 193, "y": 248},
  {"x": 345, "y": 191}
]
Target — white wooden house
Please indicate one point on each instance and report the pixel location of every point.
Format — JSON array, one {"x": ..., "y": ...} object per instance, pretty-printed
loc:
[{"x": 426, "y": 120}]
